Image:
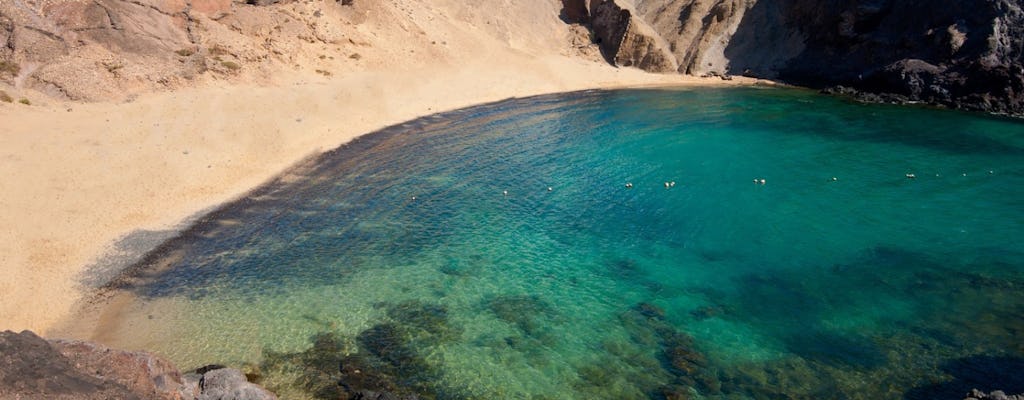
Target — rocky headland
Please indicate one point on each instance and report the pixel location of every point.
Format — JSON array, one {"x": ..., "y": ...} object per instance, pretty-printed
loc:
[{"x": 959, "y": 54}]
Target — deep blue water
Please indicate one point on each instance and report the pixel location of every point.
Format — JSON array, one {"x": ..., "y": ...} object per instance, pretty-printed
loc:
[{"x": 496, "y": 252}]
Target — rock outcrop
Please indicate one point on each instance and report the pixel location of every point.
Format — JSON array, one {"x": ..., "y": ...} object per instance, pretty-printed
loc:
[
  {"x": 34, "y": 368},
  {"x": 109, "y": 50},
  {"x": 629, "y": 41},
  {"x": 962, "y": 54}
]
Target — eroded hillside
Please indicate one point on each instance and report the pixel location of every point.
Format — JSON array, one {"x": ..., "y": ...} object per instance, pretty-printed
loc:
[{"x": 100, "y": 50}]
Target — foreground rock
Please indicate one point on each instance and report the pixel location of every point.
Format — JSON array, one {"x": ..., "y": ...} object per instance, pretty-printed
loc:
[{"x": 34, "y": 368}]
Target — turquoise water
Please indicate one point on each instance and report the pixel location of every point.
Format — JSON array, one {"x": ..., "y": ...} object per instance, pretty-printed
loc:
[{"x": 402, "y": 256}]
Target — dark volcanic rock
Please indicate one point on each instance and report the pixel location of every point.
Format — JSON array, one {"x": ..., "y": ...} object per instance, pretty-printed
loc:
[
  {"x": 966, "y": 54},
  {"x": 575, "y": 12},
  {"x": 960, "y": 54}
]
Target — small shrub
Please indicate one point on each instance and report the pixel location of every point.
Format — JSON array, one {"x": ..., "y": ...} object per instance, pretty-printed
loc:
[
  {"x": 355, "y": 56},
  {"x": 185, "y": 52},
  {"x": 218, "y": 50},
  {"x": 231, "y": 65},
  {"x": 25, "y": 101},
  {"x": 6, "y": 98},
  {"x": 323, "y": 72},
  {"x": 10, "y": 67}
]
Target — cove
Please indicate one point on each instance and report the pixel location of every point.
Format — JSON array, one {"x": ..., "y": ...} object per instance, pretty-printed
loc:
[{"x": 497, "y": 252}]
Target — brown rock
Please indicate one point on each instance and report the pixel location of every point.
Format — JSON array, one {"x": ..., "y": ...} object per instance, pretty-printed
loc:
[
  {"x": 30, "y": 368},
  {"x": 144, "y": 374},
  {"x": 212, "y": 8}
]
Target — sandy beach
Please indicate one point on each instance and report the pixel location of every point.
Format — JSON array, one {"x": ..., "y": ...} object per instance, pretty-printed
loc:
[{"x": 89, "y": 187}]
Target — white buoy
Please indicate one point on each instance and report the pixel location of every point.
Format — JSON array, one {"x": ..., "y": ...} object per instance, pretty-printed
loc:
[
  {"x": 672, "y": 184},
  {"x": 990, "y": 172},
  {"x": 414, "y": 197},
  {"x": 834, "y": 179},
  {"x": 964, "y": 174},
  {"x": 550, "y": 189},
  {"x": 762, "y": 181},
  {"x": 666, "y": 185},
  {"x": 911, "y": 176},
  {"x": 505, "y": 193},
  {"x": 629, "y": 184}
]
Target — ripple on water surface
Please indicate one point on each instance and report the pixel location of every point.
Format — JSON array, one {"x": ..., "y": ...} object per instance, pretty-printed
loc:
[{"x": 432, "y": 257}]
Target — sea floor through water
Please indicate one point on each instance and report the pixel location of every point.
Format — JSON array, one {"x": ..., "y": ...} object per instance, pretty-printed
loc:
[{"x": 497, "y": 252}]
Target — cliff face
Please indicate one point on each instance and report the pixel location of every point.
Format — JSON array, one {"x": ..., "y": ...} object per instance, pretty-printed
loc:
[
  {"x": 629, "y": 41},
  {"x": 958, "y": 53},
  {"x": 964, "y": 54}
]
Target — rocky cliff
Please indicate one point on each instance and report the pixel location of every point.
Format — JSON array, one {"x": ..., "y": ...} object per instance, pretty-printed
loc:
[
  {"x": 110, "y": 50},
  {"x": 958, "y": 53},
  {"x": 965, "y": 54}
]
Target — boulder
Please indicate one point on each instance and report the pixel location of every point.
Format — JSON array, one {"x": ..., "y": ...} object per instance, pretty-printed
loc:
[{"x": 230, "y": 384}]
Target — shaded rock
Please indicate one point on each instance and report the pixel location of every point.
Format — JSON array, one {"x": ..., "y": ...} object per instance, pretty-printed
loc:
[
  {"x": 960, "y": 54},
  {"x": 574, "y": 12},
  {"x": 627, "y": 41},
  {"x": 230, "y": 384}
]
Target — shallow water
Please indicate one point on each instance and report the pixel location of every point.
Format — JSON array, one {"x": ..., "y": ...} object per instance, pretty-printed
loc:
[{"x": 400, "y": 255}]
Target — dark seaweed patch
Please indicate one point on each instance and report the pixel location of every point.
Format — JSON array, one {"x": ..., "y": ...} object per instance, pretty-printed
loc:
[
  {"x": 837, "y": 350},
  {"x": 390, "y": 359},
  {"x": 983, "y": 372},
  {"x": 532, "y": 315}
]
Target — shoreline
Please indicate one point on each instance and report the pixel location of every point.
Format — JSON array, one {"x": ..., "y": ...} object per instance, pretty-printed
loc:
[{"x": 97, "y": 186}]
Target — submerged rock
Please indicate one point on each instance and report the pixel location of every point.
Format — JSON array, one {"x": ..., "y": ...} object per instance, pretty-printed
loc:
[{"x": 976, "y": 394}]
